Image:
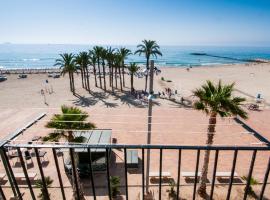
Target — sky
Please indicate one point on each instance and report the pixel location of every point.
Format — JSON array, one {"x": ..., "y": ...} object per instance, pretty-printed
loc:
[{"x": 128, "y": 22}]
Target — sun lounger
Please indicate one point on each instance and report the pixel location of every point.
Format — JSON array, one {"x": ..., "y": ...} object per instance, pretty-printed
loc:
[
  {"x": 132, "y": 158},
  {"x": 3, "y": 78},
  {"x": 21, "y": 176},
  {"x": 157, "y": 174},
  {"x": 22, "y": 76}
]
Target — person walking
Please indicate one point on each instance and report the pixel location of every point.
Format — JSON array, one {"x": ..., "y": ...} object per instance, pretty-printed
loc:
[{"x": 44, "y": 97}]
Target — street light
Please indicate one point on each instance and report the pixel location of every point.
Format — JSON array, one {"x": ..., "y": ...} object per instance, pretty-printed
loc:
[{"x": 150, "y": 98}]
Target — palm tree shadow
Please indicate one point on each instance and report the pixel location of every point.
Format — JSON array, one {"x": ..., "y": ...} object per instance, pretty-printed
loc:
[
  {"x": 93, "y": 100},
  {"x": 83, "y": 101},
  {"x": 128, "y": 99},
  {"x": 101, "y": 96}
]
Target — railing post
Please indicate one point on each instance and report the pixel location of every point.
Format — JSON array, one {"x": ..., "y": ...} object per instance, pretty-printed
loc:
[
  {"x": 59, "y": 174},
  {"x": 196, "y": 174},
  {"x": 265, "y": 179},
  {"x": 143, "y": 178},
  {"x": 10, "y": 175},
  {"x": 160, "y": 173},
  {"x": 214, "y": 175},
  {"x": 2, "y": 195},
  {"x": 178, "y": 173},
  {"x": 250, "y": 173},
  {"x": 42, "y": 174},
  {"x": 126, "y": 177},
  {"x": 232, "y": 174},
  {"x": 74, "y": 172},
  {"x": 91, "y": 173},
  {"x": 25, "y": 174},
  {"x": 108, "y": 174}
]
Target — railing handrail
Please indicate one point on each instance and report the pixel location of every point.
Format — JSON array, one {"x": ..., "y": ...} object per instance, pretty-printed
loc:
[{"x": 142, "y": 146}]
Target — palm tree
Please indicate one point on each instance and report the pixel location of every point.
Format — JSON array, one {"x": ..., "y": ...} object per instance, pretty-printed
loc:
[
  {"x": 72, "y": 118},
  {"x": 67, "y": 64},
  {"x": 124, "y": 52},
  {"x": 78, "y": 63},
  {"x": 98, "y": 51},
  {"x": 110, "y": 57},
  {"x": 148, "y": 48},
  {"x": 82, "y": 60},
  {"x": 39, "y": 184},
  {"x": 133, "y": 68},
  {"x": 103, "y": 56},
  {"x": 93, "y": 61},
  {"x": 215, "y": 100},
  {"x": 117, "y": 66}
]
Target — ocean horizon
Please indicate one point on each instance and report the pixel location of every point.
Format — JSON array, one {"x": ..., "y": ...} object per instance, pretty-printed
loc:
[{"x": 30, "y": 56}]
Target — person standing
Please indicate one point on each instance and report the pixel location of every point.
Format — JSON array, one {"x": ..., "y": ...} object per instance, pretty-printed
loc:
[{"x": 44, "y": 97}]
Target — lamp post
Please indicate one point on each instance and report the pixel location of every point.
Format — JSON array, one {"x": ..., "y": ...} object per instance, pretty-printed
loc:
[{"x": 150, "y": 97}]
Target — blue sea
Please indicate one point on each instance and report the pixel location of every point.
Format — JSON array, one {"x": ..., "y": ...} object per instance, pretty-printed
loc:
[{"x": 43, "y": 56}]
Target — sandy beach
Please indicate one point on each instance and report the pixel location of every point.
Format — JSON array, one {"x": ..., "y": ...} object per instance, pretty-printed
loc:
[
  {"x": 19, "y": 96},
  {"x": 250, "y": 80},
  {"x": 173, "y": 123}
]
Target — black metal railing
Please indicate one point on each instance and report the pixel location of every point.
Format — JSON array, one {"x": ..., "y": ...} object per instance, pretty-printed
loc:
[{"x": 141, "y": 148}]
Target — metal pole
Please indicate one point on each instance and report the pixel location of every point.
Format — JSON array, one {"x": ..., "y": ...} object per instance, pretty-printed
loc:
[
  {"x": 59, "y": 174},
  {"x": 149, "y": 123},
  {"x": 11, "y": 181}
]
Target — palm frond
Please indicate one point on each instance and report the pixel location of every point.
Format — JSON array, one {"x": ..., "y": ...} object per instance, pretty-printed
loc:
[{"x": 218, "y": 99}]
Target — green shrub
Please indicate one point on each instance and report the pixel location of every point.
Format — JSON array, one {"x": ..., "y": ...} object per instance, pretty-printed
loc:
[
  {"x": 252, "y": 182},
  {"x": 115, "y": 183},
  {"x": 39, "y": 184},
  {"x": 171, "y": 191}
]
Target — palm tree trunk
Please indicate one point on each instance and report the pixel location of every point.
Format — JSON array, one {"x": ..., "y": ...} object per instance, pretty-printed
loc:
[
  {"x": 73, "y": 84},
  {"x": 85, "y": 81},
  {"x": 146, "y": 77},
  {"x": 104, "y": 77},
  {"x": 87, "y": 74},
  {"x": 95, "y": 74},
  {"x": 209, "y": 142},
  {"x": 115, "y": 77},
  {"x": 112, "y": 78},
  {"x": 131, "y": 82},
  {"x": 70, "y": 81},
  {"x": 82, "y": 76},
  {"x": 123, "y": 72},
  {"x": 110, "y": 75},
  {"x": 120, "y": 76},
  {"x": 100, "y": 84}
]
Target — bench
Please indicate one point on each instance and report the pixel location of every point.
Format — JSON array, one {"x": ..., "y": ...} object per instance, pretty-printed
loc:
[
  {"x": 132, "y": 158},
  {"x": 218, "y": 174},
  {"x": 20, "y": 176},
  {"x": 225, "y": 174},
  {"x": 190, "y": 174},
  {"x": 157, "y": 174}
]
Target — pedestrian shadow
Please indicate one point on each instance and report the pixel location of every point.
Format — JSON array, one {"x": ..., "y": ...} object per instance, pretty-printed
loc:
[{"x": 184, "y": 103}]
